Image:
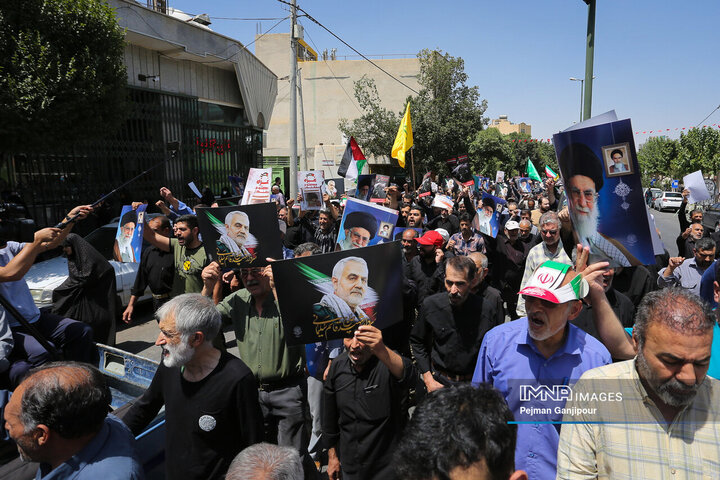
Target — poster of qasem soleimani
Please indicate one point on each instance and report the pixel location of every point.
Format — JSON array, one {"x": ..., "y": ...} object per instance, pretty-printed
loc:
[
  {"x": 242, "y": 235},
  {"x": 601, "y": 175},
  {"x": 328, "y": 296},
  {"x": 364, "y": 224}
]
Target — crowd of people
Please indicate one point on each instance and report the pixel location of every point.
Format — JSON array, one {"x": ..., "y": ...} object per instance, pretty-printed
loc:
[{"x": 501, "y": 366}]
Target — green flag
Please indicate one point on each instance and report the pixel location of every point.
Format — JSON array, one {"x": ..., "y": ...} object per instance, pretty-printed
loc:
[{"x": 531, "y": 171}]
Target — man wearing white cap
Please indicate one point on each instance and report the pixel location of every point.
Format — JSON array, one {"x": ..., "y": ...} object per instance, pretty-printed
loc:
[{"x": 533, "y": 361}]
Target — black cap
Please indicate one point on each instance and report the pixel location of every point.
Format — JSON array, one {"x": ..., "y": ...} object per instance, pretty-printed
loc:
[
  {"x": 363, "y": 220},
  {"x": 579, "y": 159}
]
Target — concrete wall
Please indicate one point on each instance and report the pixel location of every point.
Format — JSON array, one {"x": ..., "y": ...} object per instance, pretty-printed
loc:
[{"x": 328, "y": 94}]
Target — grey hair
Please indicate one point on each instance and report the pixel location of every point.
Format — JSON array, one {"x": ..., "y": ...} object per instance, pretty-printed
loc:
[
  {"x": 193, "y": 312},
  {"x": 339, "y": 266},
  {"x": 483, "y": 258},
  {"x": 705, "y": 243},
  {"x": 549, "y": 217},
  {"x": 525, "y": 221},
  {"x": 676, "y": 308},
  {"x": 265, "y": 461},
  {"x": 311, "y": 247},
  {"x": 228, "y": 217}
]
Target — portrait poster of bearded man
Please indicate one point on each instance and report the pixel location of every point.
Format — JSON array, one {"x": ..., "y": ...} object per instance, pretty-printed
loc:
[
  {"x": 323, "y": 297},
  {"x": 241, "y": 236},
  {"x": 128, "y": 239},
  {"x": 607, "y": 213},
  {"x": 361, "y": 222}
]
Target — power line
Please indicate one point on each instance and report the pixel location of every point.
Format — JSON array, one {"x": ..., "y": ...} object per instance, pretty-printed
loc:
[
  {"x": 352, "y": 48},
  {"x": 703, "y": 120}
]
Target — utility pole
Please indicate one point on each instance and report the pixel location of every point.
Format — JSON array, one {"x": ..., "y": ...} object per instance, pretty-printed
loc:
[
  {"x": 303, "y": 159},
  {"x": 293, "y": 104},
  {"x": 589, "y": 55}
]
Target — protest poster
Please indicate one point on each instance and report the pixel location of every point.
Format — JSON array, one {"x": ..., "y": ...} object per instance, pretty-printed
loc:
[
  {"x": 364, "y": 224},
  {"x": 195, "y": 189},
  {"x": 311, "y": 184},
  {"x": 258, "y": 187},
  {"x": 323, "y": 297},
  {"x": 129, "y": 235},
  {"x": 238, "y": 184},
  {"x": 499, "y": 176},
  {"x": 400, "y": 230},
  {"x": 225, "y": 201},
  {"x": 599, "y": 169},
  {"x": 695, "y": 183},
  {"x": 443, "y": 202},
  {"x": 334, "y": 187},
  {"x": 524, "y": 184},
  {"x": 364, "y": 187},
  {"x": 378, "y": 192},
  {"x": 487, "y": 220},
  {"x": 241, "y": 236}
]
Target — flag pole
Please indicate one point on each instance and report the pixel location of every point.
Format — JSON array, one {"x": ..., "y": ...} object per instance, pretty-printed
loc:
[{"x": 412, "y": 163}]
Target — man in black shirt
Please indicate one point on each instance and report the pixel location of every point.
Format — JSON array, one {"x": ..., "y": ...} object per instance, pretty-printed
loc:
[
  {"x": 210, "y": 397},
  {"x": 156, "y": 270},
  {"x": 428, "y": 268},
  {"x": 363, "y": 417},
  {"x": 448, "y": 333}
]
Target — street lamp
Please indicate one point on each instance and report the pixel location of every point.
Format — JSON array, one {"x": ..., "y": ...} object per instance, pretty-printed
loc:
[{"x": 582, "y": 81}]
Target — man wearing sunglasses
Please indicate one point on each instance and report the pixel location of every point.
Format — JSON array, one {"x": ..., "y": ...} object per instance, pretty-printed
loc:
[{"x": 551, "y": 248}]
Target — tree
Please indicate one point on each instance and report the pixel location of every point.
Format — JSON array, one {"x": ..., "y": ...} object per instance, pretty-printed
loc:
[
  {"x": 699, "y": 149},
  {"x": 523, "y": 147},
  {"x": 489, "y": 152},
  {"x": 657, "y": 158},
  {"x": 445, "y": 115},
  {"x": 62, "y": 77}
]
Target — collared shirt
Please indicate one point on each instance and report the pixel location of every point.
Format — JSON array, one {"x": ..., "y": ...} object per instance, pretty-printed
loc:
[
  {"x": 509, "y": 359},
  {"x": 16, "y": 292},
  {"x": 110, "y": 455},
  {"x": 362, "y": 413},
  {"x": 538, "y": 255},
  {"x": 465, "y": 247},
  {"x": 687, "y": 276},
  {"x": 261, "y": 338},
  {"x": 450, "y": 337},
  {"x": 631, "y": 439}
]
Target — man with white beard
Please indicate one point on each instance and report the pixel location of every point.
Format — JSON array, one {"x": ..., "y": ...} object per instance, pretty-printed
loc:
[
  {"x": 583, "y": 172},
  {"x": 237, "y": 240},
  {"x": 210, "y": 397}
]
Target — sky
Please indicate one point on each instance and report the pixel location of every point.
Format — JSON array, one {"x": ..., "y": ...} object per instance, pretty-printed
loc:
[{"x": 655, "y": 61}]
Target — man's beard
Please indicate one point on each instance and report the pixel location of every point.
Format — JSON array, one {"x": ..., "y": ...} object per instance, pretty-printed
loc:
[
  {"x": 347, "y": 244},
  {"x": 585, "y": 225},
  {"x": 177, "y": 355},
  {"x": 673, "y": 392}
]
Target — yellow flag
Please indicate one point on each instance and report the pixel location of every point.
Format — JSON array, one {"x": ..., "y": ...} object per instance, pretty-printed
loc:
[{"x": 404, "y": 139}]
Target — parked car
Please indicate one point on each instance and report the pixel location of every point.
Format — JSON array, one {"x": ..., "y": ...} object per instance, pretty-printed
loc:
[
  {"x": 711, "y": 217},
  {"x": 44, "y": 277},
  {"x": 668, "y": 200},
  {"x": 650, "y": 195}
]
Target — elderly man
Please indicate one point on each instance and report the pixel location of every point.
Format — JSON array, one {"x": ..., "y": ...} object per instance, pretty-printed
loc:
[
  {"x": 617, "y": 163},
  {"x": 362, "y": 417},
  {"x": 529, "y": 233},
  {"x": 584, "y": 173},
  {"x": 667, "y": 424},
  {"x": 360, "y": 227},
  {"x": 408, "y": 240},
  {"x": 687, "y": 239},
  {"x": 58, "y": 416},
  {"x": 210, "y": 397},
  {"x": 237, "y": 240},
  {"x": 349, "y": 280},
  {"x": 447, "y": 335},
  {"x": 687, "y": 273},
  {"x": 265, "y": 461},
  {"x": 459, "y": 433},
  {"x": 543, "y": 349},
  {"x": 483, "y": 288},
  {"x": 551, "y": 248},
  {"x": 696, "y": 215}
]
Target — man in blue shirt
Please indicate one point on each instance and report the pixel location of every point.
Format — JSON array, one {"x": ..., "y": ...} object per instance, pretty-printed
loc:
[
  {"x": 58, "y": 416},
  {"x": 687, "y": 273},
  {"x": 542, "y": 349}
]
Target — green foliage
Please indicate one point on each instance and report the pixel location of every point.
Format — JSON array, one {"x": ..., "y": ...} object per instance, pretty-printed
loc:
[
  {"x": 62, "y": 77},
  {"x": 699, "y": 149},
  {"x": 445, "y": 115},
  {"x": 656, "y": 158},
  {"x": 490, "y": 151}
]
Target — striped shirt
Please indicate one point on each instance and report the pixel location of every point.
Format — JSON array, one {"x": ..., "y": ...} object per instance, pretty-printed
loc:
[
  {"x": 630, "y": 439},
  {"x": 538, "y": 255}
]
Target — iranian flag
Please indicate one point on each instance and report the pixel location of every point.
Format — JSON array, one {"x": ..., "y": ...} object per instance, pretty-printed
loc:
[
  {"x": 353, "y": 161},
  {"x": 549, "y": 172}
]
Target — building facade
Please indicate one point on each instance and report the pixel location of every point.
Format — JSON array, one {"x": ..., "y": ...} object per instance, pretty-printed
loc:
[{"x": 506, "y": 127}]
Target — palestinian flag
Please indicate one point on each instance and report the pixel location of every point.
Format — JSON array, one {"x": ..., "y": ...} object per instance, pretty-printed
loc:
[
  {"x": 353, "y": 161},
  {"x": 550, "y": 173}
]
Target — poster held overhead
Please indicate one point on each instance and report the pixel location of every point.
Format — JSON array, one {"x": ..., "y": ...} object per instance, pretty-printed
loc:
[
  {"x": 696, "y": 184},
  {"x": 378, "y": 192},
  {"x": 334, "y": 187},
  {"x": 364, "y": 224},
  {"x": 499, "y": 176},
  {"x": 241, "y": 236},
  {"x": 311, "y": 184},
  {"x": 323, "y": 297},
  {"x": 364, "y": 188},
  {"x": 258, "y": 188},
  {"x": 129, "y": 235},
  {"x": 487, "y": 220}
]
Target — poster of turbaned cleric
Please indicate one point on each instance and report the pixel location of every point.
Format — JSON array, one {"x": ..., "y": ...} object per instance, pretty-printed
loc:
[
  {"x": 241, "y": 236},
  {"x": 600, "y": 172},
  {"x": 258, "y": 187},
  {"x": 364, "y": 224},
  {"x": 311, "y": 184},
  {"x": 487, "y": 220},
  {"x": 129, "y": 236},
  {"x": 328, "y": 296},
  {"x": 334, "y": 187}
]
